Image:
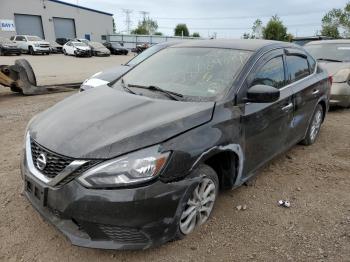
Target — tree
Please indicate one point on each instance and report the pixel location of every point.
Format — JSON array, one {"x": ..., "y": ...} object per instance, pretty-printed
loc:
[
  {"x": 335, "y": 21},
  {"x": 181, "y": 30},
  {"x": 195, "y": 34},
  {"x": 146, "y": 27},
  {"x": 257, "y": 29},
  {"x": 330, "y": 30},
  {"x": 275, "y": 30},
  {"x": 158, "y": 33}
]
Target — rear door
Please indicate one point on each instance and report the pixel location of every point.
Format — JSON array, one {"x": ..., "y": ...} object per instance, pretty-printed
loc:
[
  {"x": 302, "y": 78},
  {"x": 266, "y": 125}
]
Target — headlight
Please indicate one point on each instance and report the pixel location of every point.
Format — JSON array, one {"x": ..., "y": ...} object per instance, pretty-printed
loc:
[
  {"x": 134, "y": 168},
  {"x": 341, "y": 76},
  {"x": 92, "y": 83}
]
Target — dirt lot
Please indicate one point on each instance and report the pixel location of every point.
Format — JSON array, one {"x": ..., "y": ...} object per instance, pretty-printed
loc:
[
  {"x": 315, "y": 179},
  {"x": 60, "y": 69}
]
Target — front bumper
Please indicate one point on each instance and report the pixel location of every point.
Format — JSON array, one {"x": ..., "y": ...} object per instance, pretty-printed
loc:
[
  {"x": 41, "y": 49},
  {"x": 340, "y": 94},
  {"x": 134, "y": 218},
  {"x": 83, "y": 52}
]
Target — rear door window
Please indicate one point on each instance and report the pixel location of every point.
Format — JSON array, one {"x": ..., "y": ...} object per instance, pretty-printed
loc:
[{"x": 298, "y": 67}]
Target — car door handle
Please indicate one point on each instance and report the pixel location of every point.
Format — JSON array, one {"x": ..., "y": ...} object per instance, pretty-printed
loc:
[
  {"x": 287, "y": 107},
  {"x": 315, "y": 92}
]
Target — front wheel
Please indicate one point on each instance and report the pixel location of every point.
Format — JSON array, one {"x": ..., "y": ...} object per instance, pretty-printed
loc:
[
  {"x": 31, "y": 50},
  {"x": 314, "y": 127},
  {"x": 200, "y": 202},
  {"x": 64, "y": 52}
]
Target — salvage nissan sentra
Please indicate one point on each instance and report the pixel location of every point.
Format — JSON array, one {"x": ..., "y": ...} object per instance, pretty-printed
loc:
[{"x": 140, "y": 162}]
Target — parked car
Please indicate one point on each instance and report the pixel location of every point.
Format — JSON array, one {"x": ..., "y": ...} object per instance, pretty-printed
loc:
[
  {"x": 116, "y": 48},
  {"x": 303, "y": 40},
  {"x": 99, "y": 49},
  {"x": 31, "y": 44},
  {"x": 105, "y": 77},
  {"x": 140, "y": 163},
  {"x": 77, "y": 49},
  {"x": 62, "y": 41},
  {"x": 83, "y": 40},
  {"x": 56, "y": 48},
  {"x": 140, "y": 48},
  {"x": 334, "y": 56},
  {"x": 8, "y": 47}
]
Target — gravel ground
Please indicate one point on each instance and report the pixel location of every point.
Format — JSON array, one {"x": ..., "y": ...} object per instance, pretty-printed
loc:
[
  {"x": 315, "y": 179},
  {"x": 61, "y": 69}
]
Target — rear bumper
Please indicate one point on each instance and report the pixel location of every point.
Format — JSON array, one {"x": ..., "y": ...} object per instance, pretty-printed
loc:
[
  {"x": 134, "y": 218},
  {"x": 340, "y": 94}
]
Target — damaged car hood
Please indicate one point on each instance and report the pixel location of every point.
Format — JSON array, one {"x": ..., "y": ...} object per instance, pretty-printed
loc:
[{"x": 104, "y": 123}]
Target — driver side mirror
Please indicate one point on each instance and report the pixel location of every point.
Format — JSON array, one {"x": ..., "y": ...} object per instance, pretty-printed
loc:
[{"x": 262, "y": 94}]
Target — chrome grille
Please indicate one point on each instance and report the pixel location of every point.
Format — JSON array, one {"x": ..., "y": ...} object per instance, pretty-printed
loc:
[{"x": 55, "y": 163}]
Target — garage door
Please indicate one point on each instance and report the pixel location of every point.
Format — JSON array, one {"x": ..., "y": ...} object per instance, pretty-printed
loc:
[
  {"x": 64, "y": 27},
  {"x": 29, "y": 25}
]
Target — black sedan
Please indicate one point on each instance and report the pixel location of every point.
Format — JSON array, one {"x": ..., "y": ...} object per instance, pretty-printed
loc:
[
  {"x": 7, "y": 47},
  {"x": 116, "y": 48},
  {"x": 140, "y": 162}
]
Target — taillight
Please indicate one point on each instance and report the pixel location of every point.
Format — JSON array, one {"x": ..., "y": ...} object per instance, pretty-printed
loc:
[{"x": 330, "y": 79}]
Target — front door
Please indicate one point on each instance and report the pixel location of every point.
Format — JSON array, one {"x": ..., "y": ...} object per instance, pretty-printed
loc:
[{"x": 267, "y": 125}]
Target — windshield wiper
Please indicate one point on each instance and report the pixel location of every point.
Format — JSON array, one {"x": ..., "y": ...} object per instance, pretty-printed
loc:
[
  {"x": 329, "y": 59},
  {"x": 170, "y": 94},
  {"x": 126, "y": 87}
]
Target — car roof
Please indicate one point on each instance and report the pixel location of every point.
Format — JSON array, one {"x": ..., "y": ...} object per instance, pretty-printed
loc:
[
  {"x": 242, "y": 44},
  {"x": 336, "y": 41}
]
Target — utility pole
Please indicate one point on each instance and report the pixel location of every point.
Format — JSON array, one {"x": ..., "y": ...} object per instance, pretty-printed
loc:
[
  {"x": 127, "y": 13},
  {"x": 144, "y": 14}
]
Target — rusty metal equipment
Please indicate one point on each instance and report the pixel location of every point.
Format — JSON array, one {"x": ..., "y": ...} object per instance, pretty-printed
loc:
[{"x": 20, "y": 78}]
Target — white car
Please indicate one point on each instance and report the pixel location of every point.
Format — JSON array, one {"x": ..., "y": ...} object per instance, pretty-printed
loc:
[
  {"x": 31, "y": 44},
  {"x": 77, "y": 49}
]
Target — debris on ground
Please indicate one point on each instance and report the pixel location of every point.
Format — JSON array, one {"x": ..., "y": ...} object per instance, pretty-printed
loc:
[{"x": 284, "y": 203}]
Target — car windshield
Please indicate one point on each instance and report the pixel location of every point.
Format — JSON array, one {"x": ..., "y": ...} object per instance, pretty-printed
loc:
[
  {"x": 195, "y": 72},
  {"x": 338, "y": 51},
  {"x": 5, "y": 40},
  {"x": 34, "y": 38},
  {"x": 79, "y": 44},
  {"x": 145, "y": 54}
]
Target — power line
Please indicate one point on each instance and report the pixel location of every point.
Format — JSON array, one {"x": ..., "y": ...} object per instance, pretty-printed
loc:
[
  {"x": 239, "y": 17},
  {"x": 240, "y": 28}
]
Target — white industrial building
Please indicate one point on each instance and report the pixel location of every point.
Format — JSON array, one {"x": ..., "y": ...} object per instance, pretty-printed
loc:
[{"x": 52, "y": 19}]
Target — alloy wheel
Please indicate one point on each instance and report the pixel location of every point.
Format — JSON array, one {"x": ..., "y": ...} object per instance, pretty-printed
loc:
[
  {"x": 316, "y": 125},
  {"x": 199, "y": 206}
]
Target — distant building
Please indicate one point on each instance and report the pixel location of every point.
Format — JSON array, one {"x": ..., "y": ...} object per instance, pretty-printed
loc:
[{"x": 51, "y": 19}]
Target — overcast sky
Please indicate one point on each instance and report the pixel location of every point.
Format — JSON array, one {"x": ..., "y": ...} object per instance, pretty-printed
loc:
[{"x": 228, "y": 18}]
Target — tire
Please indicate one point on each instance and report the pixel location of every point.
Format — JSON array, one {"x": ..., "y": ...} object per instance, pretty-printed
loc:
[
  {"x": 75, "y": 54},
  {"x": 31, "y": 50},
  {"x": 64, "y": 52},
  {"x": 16, "y": 89},
  {"x": 314, "y": 127},
  {"x": 197, "y": 217},
  {"x": 29, "y": 70},
  {"x": 1, "y": 52}
]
